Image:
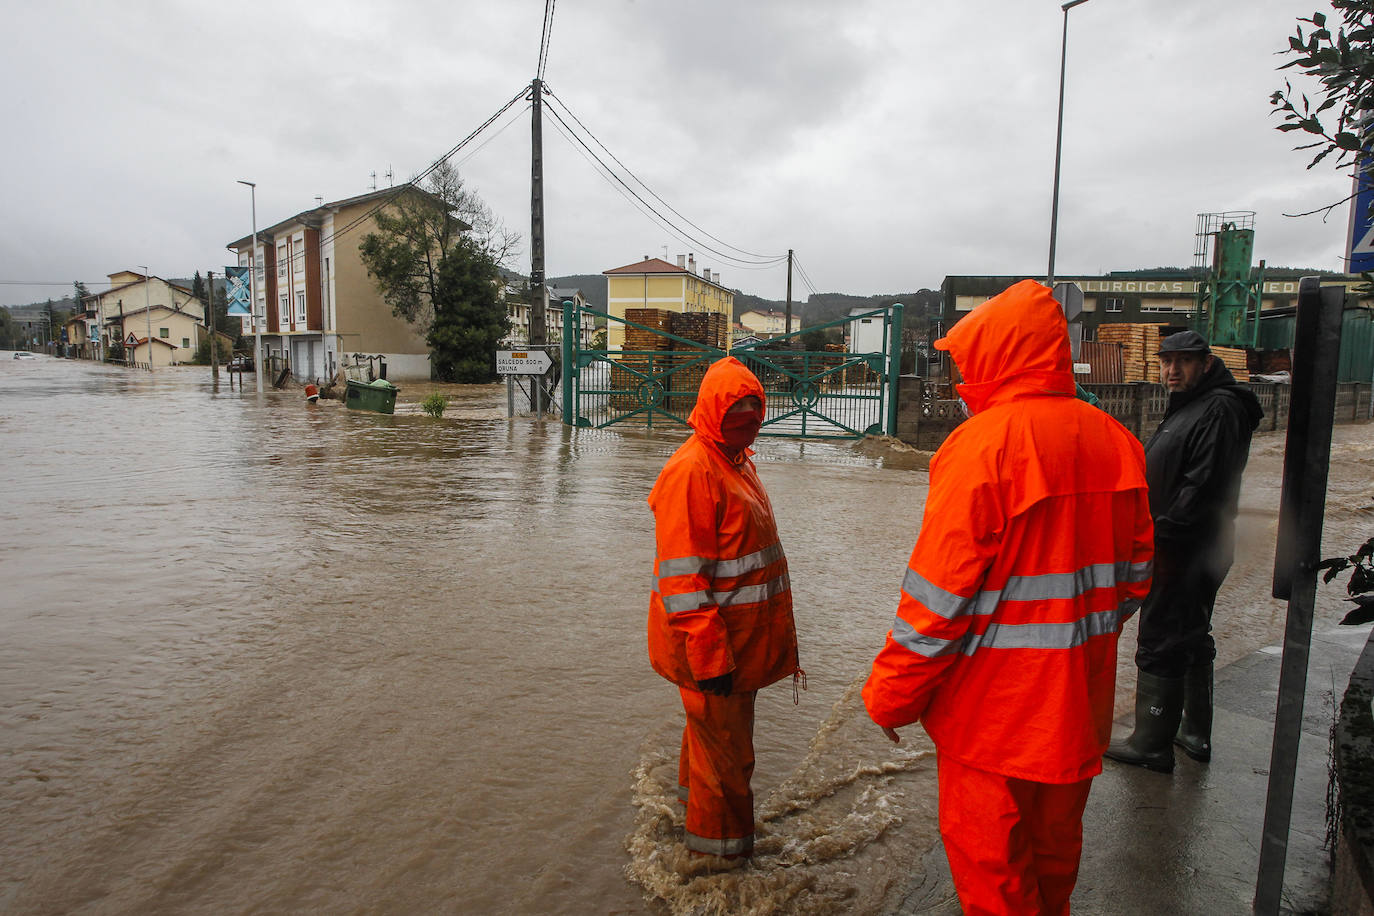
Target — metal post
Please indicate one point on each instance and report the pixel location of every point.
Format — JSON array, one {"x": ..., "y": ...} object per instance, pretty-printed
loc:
[
  {"x": 210, "y": 322},
  {"x": 1307, "y": 456},
  {"x": 1059, "y": 136},
  {"x": 569, "y": 364},
  {"x": 148, "y": 315},
  {"x": 894, "y": 364},
  {"x": 510, "y": 396},
  {"x": 258, "y": 320},
  {"x": 787, "y": 329}
]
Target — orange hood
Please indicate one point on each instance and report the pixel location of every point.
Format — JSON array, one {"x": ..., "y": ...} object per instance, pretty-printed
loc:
[
  {"x": 1015, "y": 343},
  {"x": 725, "y": 383}
]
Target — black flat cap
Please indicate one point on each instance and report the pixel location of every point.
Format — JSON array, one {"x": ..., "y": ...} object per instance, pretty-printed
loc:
[{"x": 1183, "y": 342}]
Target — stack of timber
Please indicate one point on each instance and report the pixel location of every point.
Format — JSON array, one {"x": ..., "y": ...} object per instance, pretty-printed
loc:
[
  {"x": 710, "y": 329},
  {"x": 634, "y": 372},
  {"x": 660, "y": 320},
  {"x": 1235, "y": 359},
  {"x": 833, "y": 359},
  {"x": 1138, "y": 345}
]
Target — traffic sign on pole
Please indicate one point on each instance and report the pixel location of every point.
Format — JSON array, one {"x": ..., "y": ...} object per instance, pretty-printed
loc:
[{"x": 522, "y": 362}]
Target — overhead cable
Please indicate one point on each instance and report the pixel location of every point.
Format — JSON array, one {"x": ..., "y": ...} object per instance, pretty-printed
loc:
[
  {"x": 414, "y": 181},
  {"x": 683, "y": 234},
  {"x": 595, "y": 139}
]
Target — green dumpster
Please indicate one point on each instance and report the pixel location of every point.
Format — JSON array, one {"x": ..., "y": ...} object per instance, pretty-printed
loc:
[{"x": 378, "y": 396}]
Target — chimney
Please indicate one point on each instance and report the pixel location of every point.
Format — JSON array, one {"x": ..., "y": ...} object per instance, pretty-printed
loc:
[
  {"x": 646, "y": 257},
  {"x": 691, "y": 263},
  {"x": 682, "y": 262}
]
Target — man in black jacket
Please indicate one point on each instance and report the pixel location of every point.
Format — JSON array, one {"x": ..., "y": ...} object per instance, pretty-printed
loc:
[{"x": 1193, "y": 464}]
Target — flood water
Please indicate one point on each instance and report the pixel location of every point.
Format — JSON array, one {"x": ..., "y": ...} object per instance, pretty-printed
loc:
[{"x": 261, "y": 656}]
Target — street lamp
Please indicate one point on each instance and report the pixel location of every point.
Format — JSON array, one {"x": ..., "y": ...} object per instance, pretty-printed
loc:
[
  {"x": 1059, "y": 136},
  {"x": 253, "y": 284},
  {"x": 148, "y": 314}
]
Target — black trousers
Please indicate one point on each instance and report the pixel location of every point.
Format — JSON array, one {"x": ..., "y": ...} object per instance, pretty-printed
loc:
[{"x": 1176, "y": 617}]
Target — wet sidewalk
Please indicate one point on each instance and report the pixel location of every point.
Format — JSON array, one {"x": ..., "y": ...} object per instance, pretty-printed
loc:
[{"x": 1188, "y": 843}]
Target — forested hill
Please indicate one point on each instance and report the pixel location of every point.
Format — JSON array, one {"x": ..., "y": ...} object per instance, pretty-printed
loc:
[{"x": 818, "y": 308}]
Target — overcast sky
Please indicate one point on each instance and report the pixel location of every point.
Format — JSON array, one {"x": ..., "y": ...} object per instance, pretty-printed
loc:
[{"x": 889, "y": 142}]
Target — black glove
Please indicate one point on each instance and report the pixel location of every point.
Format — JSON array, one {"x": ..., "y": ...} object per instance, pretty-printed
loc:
[{"x": 720, "y": 686}]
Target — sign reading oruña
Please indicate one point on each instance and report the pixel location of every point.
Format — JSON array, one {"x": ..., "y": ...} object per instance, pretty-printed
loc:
[{"x": 522, "y": 362}]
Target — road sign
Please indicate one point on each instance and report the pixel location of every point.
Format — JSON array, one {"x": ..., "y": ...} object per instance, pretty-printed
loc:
[
  {"x": 1070, "y": 297},
  {"x": 522, "y": 362},
  {"x": 1360, "y": 237}
]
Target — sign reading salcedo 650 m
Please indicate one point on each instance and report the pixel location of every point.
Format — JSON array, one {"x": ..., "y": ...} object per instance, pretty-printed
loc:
[{"x": 522, "y": 362}]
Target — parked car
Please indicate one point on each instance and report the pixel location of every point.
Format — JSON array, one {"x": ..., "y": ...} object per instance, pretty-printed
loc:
[
  {"x": 25, "y": 354},
  {"x": 240, "y": 364}
]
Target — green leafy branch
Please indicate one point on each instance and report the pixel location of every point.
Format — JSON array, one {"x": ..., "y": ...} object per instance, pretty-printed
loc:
[
  {"x": 1343, "y": 64},
  {"x": 1360, "y": 586}
]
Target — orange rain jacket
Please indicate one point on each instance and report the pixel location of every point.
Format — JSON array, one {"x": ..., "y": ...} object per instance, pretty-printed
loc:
[
  {"x": 722, "y": 602},
  {"x": 1035, "y": 547}
]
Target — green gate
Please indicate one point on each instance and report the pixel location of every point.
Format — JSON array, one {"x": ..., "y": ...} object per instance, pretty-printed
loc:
[{"x": 652, "y": 381}]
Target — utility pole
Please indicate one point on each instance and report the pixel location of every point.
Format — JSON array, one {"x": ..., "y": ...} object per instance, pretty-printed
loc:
[
  {"x": 538, "y": 332},
  {"x": 787, "y": 328},
  {"x": 148, "y": 314},
  {"x": 210, "y": 322},
  {"x": 258, "y": 320}
]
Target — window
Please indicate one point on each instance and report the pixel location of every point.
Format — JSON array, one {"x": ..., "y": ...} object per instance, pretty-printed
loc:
[
  {"x": 284, "y": 312},
  {"x": 300, "y": 307},
  {"x": 1115, "y": 305},
  {"x": 185, "y": 343},
  {"x": 162, "y": 332},
  {"x": 281, "y": 260}
]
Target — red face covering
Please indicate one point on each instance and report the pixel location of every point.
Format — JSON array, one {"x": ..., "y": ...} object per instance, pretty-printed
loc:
[{"x": 739, "y": 429}]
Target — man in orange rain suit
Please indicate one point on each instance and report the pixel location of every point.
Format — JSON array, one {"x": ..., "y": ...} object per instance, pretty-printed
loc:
[
  {"x": 1035, "y": 547},
  {"x": 720, "y": 616}
]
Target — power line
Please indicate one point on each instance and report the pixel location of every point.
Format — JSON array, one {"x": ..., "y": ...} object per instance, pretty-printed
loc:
[
  {"x": 386, "y": 201},
  {"x": 545, "y": 38},
  {"x": 801, "y": 271},
  {"x": 639, "y": 203},
  {"x": 669, "y": 224},
  {"x": 587, "y": 130},
  {"x": 477, "y": 149}
]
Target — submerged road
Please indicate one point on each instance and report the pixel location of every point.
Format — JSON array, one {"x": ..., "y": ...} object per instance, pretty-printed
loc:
[{"x": 257, "y": 656}]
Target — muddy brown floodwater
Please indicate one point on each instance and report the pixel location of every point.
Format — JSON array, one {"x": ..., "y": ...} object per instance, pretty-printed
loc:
[{"x": 257, "y": 656}]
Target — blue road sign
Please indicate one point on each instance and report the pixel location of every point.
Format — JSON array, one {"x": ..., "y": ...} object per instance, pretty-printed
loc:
[{"x": 1360, "y": 240}]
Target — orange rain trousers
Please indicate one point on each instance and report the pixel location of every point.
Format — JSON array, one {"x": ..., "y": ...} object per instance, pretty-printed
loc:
[
  {"x": 1013, "y": 844},
  {"x": 714, "y": 770}
]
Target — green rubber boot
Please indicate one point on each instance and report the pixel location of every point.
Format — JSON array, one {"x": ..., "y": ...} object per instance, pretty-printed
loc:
[
  {"x": 1195, "y": 730},
  {"x": 1158, "y": 709}
]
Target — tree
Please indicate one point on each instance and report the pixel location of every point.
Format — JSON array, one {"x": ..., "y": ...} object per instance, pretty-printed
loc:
[
  {"x": 469, "y": 315},
  {"x": 8, "y": 331},
  {"x": 417, "y": 230},
  {"x": 1344, "y": 65}
]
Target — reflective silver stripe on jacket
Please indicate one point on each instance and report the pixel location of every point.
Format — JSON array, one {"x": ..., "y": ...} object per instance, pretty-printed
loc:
[
  {"x": 1046, "y": 587},
  {"x": 745, "y": 594},
  {"x": 1016, "y": 635},
  {"x": 719, "y": 569}
]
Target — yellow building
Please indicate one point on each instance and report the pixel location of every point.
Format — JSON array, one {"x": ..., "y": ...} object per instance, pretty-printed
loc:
[
  {"x": 655, "y": 284},
  {"x": 769, "y": 324},
  {"x": 135, "y": 306}
]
